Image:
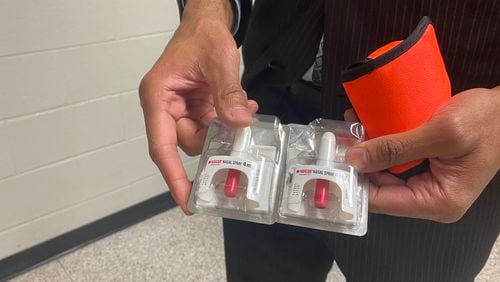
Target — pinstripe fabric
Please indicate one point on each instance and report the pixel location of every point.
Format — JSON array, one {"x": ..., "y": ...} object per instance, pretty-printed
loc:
[
  {"x": 468, "y": 32},
  {"x": 274, "y": 56},
  {"x": 305, "y": 19},
  {"x": 394, "y": 249}
]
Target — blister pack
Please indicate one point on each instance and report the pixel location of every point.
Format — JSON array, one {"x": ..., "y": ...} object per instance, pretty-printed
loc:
[
  {"x": 292, "y": 174},
  {"x": 320, "y": 190},
  {"x": 240, "y": 171}
]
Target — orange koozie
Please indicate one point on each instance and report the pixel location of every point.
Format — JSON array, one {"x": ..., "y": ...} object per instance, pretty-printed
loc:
[{"x": 399, "y": 86}]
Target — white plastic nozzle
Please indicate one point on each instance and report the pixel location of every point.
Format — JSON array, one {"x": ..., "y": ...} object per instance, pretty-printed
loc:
[
  {"x": 325, "y": 158},
  {"x": 327, "y": 149},
  {"x": 241, "y": 142}
]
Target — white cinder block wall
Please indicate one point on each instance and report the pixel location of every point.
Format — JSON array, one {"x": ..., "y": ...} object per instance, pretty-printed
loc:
[{"x": 72, "y": 140}]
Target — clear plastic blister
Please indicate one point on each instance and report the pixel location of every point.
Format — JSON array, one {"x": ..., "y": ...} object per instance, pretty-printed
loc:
[
  {"x": 240, "y": 171},
  {"x": 320, "y": 190},
  {"x": 292, "y": 174}
]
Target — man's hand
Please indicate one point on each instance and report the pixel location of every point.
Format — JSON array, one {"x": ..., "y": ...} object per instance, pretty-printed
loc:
[
  {"x": 462, "y": 143},
  {"x": 195, "y": 79}
]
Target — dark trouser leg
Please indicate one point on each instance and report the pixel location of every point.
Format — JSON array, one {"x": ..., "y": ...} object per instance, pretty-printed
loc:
[
  {"x": 401, "y": 249},
  {"x": 257, "y": 252}
]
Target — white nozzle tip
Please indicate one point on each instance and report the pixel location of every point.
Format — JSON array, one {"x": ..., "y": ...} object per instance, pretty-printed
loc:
[
  {"x": 327, "y": 147},
  {"x": 328, "y": 136},
  {"x": 242, "y": 139}
]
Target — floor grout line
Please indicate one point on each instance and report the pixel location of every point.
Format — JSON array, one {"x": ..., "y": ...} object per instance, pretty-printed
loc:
[{"x": 64, "y": 270}]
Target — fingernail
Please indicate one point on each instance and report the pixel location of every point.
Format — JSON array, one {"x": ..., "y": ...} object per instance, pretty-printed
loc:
[
  {"x": 357, "y": 157},
  {"x": 240, "y": 112}
]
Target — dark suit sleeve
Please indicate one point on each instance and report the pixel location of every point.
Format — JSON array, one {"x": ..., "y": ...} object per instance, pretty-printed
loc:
[{"x": 241, "y": 17}]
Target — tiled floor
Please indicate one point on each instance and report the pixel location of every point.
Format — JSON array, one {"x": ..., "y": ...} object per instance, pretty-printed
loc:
[{"x": 168, "y": 247}]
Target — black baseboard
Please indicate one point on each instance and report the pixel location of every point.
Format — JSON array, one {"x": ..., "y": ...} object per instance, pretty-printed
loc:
[{"x": 28, "y": 259}]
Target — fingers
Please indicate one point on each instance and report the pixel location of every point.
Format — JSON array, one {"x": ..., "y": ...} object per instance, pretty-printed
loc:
[
  {"x": 230, "y": 100},
  {"x": 383, "y": 178},
  {"x": 350, "y": 116},
  {"x": 387, "y": 151},
  {"x": 440, "y": 137},
  {"x": 253, "y": 106},
  {"x": 170, "y": 164},
  {"x": 161, "y": 130},
  {"x": 395, "y": 200},
  {"x": 191, "y": 135},
  {"x": 162, "y": 138},
  {"x": 421, "y": 197}
]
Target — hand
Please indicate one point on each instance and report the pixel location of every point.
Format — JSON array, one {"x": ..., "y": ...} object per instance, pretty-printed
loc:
[
  {"x": 195, "y": 79},
  {"x": 462, "y": 143}
]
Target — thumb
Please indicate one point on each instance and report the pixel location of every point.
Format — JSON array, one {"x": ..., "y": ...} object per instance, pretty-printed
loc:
[
  {"x": 232, "y": 106},
  {"x": 426, "y": 141},
  {"x": 230, "y": 100}
]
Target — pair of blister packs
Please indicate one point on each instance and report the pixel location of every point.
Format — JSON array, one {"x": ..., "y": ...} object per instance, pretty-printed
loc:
[{"x": 292, "y": 174}]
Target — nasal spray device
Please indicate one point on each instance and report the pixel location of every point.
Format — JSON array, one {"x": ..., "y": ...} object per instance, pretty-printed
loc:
[
  {"x": 321, "y": 191},
  {"x": 240, "y": 170},
  {"x": 323, "y": 174},
  {"x": 326, "y": 157},
  {"x": 240, "y": 148}
]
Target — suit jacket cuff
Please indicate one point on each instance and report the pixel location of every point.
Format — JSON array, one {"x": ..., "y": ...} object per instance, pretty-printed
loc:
[{"x": 236, "y": 13}]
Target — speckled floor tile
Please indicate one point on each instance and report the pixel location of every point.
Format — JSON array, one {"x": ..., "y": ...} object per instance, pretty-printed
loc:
[
  {"x": 491, "y": 271},
  {"x": 335, "y": 275},
  {"x": 51, "y": 272},
  {"x": 168, "y": 247}
]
